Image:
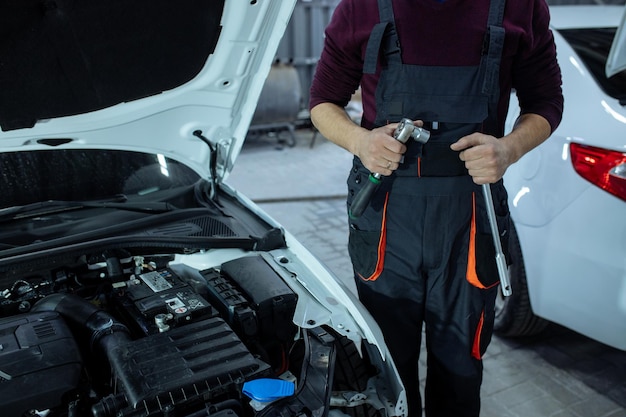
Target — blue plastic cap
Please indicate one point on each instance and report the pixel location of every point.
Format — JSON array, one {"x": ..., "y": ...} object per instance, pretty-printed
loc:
[{"x": 267, "y": 390}]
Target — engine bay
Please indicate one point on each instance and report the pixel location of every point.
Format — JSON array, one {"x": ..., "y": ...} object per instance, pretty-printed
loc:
[{"x": 119, "y": 335}]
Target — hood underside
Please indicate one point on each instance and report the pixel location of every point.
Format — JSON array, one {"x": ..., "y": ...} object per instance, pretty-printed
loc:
[
  {"x": 64, "y": 58},
  {"x": 142, "y": 75}
]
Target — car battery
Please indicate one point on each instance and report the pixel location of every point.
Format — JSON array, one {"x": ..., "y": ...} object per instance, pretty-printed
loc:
[
  {"x": 255, "y": 286},
  {"x": 162, "y": 292}
]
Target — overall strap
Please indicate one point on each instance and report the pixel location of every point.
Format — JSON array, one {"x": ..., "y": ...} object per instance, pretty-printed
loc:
[
  {"x": 383, "y": 32},
  {"x": 493, "y": 45}
]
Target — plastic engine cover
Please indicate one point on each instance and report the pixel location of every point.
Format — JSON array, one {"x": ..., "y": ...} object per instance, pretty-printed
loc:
[
  {"x": 201, "y": 359},
  {"x": 36, "y": 347}
]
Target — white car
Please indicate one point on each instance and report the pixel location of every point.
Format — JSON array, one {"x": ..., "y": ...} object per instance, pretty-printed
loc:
[
  {"x": 568, "y": 196},
  {"x": 133, "y": 280}
]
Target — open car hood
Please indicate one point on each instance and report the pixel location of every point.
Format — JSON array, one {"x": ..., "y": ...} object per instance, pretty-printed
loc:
[
  {"x": 179, "y": 78},
  {"x": 616, "y": 61}
]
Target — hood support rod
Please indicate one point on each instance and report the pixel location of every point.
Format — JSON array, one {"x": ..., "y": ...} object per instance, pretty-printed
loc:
[{"x": 212, "y": 163}]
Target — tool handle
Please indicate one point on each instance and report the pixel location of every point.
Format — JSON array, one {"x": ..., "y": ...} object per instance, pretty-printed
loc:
[
  {"x": 503, "y": 270},
  {"x": 363, "y": 197},
  {"x": 403, "y": 132}
]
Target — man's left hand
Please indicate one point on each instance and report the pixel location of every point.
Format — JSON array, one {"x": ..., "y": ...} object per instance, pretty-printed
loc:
[{"x": 486, "y": 157}]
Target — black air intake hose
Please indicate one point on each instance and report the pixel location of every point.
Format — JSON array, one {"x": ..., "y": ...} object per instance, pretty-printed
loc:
[
  {"x": 104, "y": 333},
  {"x": 103, "y": 330}
]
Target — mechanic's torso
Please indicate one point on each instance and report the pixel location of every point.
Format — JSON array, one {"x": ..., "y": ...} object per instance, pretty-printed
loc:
[{"x": 453, "y": 100}]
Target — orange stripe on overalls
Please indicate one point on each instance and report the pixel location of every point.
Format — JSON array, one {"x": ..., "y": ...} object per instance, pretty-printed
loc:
[
  {"x": 471, "y": 275},
  {"x": 382, "y": 243}
]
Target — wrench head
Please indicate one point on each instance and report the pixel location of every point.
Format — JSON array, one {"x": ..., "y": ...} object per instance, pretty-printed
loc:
[{"x": 406, "y": 129}]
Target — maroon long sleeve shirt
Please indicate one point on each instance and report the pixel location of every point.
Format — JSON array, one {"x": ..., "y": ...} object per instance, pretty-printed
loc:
[{"x": 447, "y": 33}]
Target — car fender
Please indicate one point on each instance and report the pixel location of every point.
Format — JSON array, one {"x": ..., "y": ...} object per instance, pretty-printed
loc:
[{"x": 534, "y": 198}]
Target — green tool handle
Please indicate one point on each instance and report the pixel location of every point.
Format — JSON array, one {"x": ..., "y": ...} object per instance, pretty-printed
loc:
[{"x": 362, "y": 199}]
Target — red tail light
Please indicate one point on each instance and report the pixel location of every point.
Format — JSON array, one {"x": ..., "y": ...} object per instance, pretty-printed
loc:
[{"x": 602, "y": 167}]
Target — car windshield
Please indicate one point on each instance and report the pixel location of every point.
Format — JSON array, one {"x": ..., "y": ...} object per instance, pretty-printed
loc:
[
  {"x": 78, "y": 174},
  {"x": 593, "y": 46}
]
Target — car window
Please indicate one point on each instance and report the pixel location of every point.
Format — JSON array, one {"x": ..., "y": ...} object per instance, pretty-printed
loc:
[
  {"x": 593, "y": 46},
  {"x": 86, "y": 174}
]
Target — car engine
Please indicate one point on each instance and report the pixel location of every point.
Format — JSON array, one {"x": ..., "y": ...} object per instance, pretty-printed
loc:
[{"x": 115, "y": 334}]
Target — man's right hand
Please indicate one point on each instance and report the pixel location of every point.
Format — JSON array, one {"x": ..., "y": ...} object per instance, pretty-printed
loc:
[{"x": 379, "y": 151}]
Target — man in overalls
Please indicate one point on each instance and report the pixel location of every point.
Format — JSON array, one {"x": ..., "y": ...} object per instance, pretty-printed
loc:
[{"x": 422, "y": 251}]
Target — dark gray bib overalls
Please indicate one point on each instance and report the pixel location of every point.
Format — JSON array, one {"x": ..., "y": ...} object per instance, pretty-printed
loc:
[{"x": 422, "y": 250}]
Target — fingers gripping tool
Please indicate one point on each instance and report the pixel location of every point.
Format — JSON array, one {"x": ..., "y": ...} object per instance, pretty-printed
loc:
[{"x": 403, "y": 132}]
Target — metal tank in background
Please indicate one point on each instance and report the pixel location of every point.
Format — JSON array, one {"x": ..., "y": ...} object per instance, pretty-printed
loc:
[
  {"x": 283, "y": 104},
  {"x": 303, "y": 41},
  {"x": 279, "y": 105}
]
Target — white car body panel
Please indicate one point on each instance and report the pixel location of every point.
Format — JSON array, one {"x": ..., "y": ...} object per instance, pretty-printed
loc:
[
  {"x": 573, "y": 234},
  {"x": 220, "y": 101}
]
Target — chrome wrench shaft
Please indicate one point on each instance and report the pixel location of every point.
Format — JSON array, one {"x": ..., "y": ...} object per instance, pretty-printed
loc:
[{"x": 503, "y": 270}]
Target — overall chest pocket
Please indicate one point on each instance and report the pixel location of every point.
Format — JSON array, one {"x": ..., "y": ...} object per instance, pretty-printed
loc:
[{"x": 442, "y": 94}]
